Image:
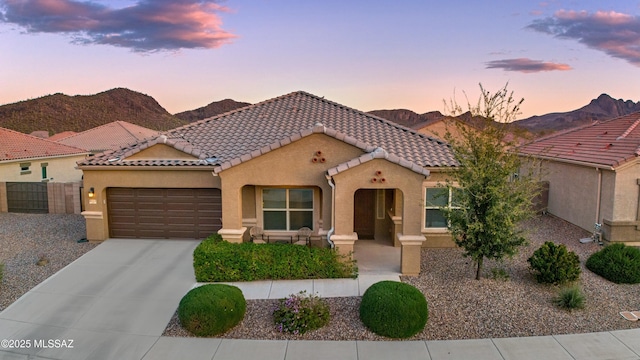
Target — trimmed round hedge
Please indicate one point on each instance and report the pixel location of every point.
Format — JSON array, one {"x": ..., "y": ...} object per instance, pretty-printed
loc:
[
  {"x": 617, "y": 262},
  {"x": 212, "y": 309},
  {"x": 394, "y": 309},
  {"x": 554, "y": 264}
]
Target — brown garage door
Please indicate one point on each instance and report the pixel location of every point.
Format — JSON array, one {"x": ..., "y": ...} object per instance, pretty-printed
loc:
[{"x": 163, "y": 213}]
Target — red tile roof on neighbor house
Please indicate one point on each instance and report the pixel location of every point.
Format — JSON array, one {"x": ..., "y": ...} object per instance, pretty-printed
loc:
[
  {"x": 237, "y": 136},
  {"x": 18, "y": 146},
  {"x": 608, "y": 143},
  {"x": 109, "y": 136},
  {"x": 61, "y": 135}
]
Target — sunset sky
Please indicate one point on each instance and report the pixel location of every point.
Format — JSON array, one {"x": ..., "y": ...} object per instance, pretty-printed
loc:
[{"x": 557, "y": 55}]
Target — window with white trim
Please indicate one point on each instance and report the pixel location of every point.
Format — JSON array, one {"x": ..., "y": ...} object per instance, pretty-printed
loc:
[
  {"x": 25, "y": 168},
  {"x": 435, "y": 199},
  {"x": 287, "y": 209},
  {"x": 43, "y": 168}
]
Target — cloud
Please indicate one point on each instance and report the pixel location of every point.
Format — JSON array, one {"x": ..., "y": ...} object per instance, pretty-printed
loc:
[
  {"x": 146, "y": 26},
  {"x": 526, "y": 65},
  {"x": 614, "y": 33}
]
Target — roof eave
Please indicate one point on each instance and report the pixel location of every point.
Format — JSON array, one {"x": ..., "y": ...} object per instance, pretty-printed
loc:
[
  {"x": 158, "y": 167},
  {"x": 7, "y": 161},
  {"x": 569, "y": 161}
]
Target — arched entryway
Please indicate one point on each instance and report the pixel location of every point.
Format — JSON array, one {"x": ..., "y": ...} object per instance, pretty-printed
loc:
[
  {"x": 373, "y": 222},
  {"x": 373, "y": 214}
]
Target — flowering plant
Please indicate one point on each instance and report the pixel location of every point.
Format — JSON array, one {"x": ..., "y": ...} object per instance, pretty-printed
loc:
[{"x": 299, "y": 313}]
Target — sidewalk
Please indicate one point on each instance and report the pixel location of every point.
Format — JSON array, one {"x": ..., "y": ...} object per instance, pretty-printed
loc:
[
  {"x": 109, "y": 303},
  {"x": 322, "y": 287}
]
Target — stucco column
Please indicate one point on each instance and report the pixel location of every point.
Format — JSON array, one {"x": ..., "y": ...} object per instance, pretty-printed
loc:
[
  {"x": 410, "y": 253},
  {"x": 412, "y": 211},
  {"x": 344, "y": 243},
  {"x": 397, "y": 227},
  {"x": 344, "y": 210},
  {"x": 4, "y": 207},
  {"x": 95, "y": 225},
  {"x": 232, "y": 229},
  {"x": 95, "y": 214}
]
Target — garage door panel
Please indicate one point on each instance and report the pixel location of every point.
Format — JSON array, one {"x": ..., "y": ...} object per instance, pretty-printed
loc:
[
  {"x": 163, "y": 213},
  {"x": 123, "y": 219},
  {"x": 183, "y": 207}
]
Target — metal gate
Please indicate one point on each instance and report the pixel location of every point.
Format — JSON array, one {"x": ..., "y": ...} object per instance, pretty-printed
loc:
[{"x": 27, "y": 197}]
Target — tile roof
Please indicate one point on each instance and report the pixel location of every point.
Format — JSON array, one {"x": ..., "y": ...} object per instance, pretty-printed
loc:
[
  {"x": 111, "y": 136},
  {"x": 608, "y": 143},
  {"x": 61, "y": 135},
  {"x": 228, "y": 139},
  {"x": 378, "y": 153},
  {"x": 18, "y": 146}
]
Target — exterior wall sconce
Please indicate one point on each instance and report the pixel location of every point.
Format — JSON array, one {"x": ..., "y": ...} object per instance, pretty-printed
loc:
[{"x": 91, "y": 193}]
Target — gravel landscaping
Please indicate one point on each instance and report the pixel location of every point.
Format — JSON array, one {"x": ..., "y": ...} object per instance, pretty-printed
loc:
[
  {"x": 461, "y": 307},
  {"x": 29, "y": 239}
]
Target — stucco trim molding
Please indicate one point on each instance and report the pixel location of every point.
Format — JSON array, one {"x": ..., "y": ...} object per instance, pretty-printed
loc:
[
  {"x": 409, "y": 240},
  {"x": 378, "y": 153},
  {"x": 232, "y": 235},
  {"x": 410, "y": 253},
  {"x": 318, "y": 128},
  {"x": 344, "y": 239},
  {"x": 344, "y": 243},
  {"x": 95, "y": 215},
  {"x": 625, "y": 231}
]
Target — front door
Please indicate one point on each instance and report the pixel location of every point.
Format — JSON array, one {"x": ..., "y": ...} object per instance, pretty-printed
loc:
[{"x": 364, "y": 213}]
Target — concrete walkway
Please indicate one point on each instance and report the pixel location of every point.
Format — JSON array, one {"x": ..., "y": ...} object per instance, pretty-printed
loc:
[{"x": 115, "y": 301}]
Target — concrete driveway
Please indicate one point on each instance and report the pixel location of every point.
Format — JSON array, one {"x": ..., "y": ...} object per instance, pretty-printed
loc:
[
  {"x": 115, "y": 301},
  {"x": 112, "y": 303}
]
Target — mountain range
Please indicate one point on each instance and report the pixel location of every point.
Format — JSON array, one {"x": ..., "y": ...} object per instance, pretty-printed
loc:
[
  {"x": 213, "y": 109},
  {"x": 602, "y": 108},
  {"x": 58, "y": 112}
]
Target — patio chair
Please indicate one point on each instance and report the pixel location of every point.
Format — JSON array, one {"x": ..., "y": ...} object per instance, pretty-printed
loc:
[
  {"x": 258, "y": 236},
  {"x": 303, "y": 237}
]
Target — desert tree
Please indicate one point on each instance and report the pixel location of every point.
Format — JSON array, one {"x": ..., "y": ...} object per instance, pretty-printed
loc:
[{"x": 491, "y": 195}]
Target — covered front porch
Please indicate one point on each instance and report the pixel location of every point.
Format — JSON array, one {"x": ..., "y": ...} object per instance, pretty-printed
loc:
[
  {"x": 356, "y": 197},
  {"x": 375, "y": 257}
]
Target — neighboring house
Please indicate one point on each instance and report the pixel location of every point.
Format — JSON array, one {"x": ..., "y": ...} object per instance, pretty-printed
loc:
[
  {"x": 62, "y": 135},
  {"x": 290, "y": 162},
  {"x": 111, "y": 136},
  {"x": 594, "y": 176},
  {"x": 438, "y": 128},
  {"x": 27, "y": 164}
]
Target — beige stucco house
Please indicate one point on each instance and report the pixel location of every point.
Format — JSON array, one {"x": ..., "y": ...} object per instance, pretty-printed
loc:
[
  {"x": 111, "y": 136},
  {"x": 34, "y": 170},
  {"x": 290, "y": 162},
  {"x": 594, "y": 176}
]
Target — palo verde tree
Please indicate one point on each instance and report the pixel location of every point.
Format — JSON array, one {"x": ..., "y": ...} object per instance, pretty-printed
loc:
[{"x": 490, "y": 194}]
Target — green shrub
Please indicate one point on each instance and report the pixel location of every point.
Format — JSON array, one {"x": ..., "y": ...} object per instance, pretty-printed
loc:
[
  {"x": 300, "y": 313},
  {"x": 212, "y": 309},
  {"x": 215, "y": 260},
  {"x": 618, "y": 263},
  {"x": 570, "y": 298},
  {"x": 554, "y": 264},
  {"x": 394, "y": 309}
]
